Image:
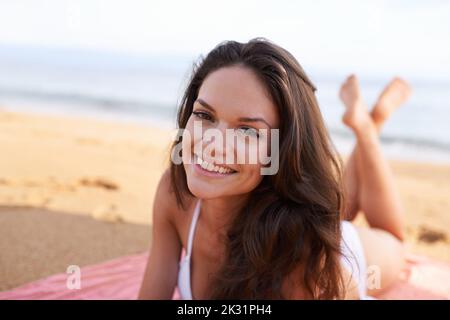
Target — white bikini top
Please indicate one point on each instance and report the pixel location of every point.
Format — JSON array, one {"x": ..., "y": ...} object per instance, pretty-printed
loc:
[
  {"x": 353, "y": 258},
  {"x": 184, "y": 274}
]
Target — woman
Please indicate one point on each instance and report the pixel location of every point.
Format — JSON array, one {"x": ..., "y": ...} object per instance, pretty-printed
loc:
[{"x": 278, "y": 236}]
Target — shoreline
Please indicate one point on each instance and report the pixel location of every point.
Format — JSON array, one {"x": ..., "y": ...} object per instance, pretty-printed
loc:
[
  {"x": 401, "y": 149},
  {"x": 103, "y": 175}
]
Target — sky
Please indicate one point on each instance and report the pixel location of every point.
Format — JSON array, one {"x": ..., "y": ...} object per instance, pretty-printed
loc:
[{"x": 374, "y": 36}]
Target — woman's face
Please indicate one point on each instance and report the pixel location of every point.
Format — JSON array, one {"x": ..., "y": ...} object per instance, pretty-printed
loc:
[{"x": 231, "y": 101}]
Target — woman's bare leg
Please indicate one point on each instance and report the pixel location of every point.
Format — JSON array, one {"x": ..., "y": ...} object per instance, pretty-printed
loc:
[
  {"x": 377, "y": 194},
  {"x": 393, "y": 95}
]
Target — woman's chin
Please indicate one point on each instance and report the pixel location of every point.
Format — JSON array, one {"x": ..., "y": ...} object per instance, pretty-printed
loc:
[{"x": 204, "y": 190}]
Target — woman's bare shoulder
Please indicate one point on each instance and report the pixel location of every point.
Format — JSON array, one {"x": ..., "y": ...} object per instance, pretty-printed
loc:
[{"x": 166, "y": 205}]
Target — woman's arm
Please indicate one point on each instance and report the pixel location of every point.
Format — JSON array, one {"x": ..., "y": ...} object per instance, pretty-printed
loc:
[{"x": 161, "y": 273}]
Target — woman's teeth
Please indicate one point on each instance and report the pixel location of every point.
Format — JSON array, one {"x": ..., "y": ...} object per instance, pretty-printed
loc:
[{"x": 210, "y": 167}]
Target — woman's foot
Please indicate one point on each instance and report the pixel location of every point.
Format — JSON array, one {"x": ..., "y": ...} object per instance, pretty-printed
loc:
[
  {"x": 393, "y": 95},
  {"x": 356, "y": 116}
]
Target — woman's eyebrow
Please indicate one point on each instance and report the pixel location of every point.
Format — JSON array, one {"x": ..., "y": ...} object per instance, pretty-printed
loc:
[
  {"x": 205, "y": 104},
  {"x": 246, "y": 119},
  {"x": 243, "y": 119}
]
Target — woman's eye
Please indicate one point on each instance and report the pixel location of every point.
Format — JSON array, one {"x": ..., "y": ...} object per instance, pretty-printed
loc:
[
  {"x": 202, "y": 115},
  {"x": 249, "y": 131}
]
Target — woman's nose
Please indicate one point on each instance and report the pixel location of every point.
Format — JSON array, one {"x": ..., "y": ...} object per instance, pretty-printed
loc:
[{"x": 216, "y": 143}]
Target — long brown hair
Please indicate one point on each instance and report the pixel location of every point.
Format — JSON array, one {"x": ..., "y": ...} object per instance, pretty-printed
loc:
[{"x": 293, "y": 217}]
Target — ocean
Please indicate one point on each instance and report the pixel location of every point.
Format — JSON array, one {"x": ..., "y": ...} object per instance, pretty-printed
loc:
[{"x": 147, "y": 89}]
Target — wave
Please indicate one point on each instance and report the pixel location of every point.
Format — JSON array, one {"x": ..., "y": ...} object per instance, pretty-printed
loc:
[
  {"x": 404, "y": 140},
  {"x": 102, "y": 102}
]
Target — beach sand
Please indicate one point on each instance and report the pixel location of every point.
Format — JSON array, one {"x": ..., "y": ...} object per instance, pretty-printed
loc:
[{"x": 80, "y": 191}]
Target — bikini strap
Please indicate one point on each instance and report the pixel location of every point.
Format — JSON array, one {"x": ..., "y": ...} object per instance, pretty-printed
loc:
[{"x": 192, "y": 228}]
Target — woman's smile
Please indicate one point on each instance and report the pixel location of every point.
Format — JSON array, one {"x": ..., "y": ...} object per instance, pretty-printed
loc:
[{"x": 209, "y": 169}]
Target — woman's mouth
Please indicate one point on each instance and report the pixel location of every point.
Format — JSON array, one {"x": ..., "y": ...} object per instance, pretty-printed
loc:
[{"x": 210, "y": 169}]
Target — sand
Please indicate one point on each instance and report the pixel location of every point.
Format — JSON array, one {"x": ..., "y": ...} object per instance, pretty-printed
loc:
[{"x": 80, "y": 191}]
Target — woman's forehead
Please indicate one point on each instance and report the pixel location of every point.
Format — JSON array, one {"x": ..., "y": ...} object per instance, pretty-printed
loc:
[{"x": 239, "y": 91}]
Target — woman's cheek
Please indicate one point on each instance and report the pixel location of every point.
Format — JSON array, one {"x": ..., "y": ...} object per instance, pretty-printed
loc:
[
  {"x": 253, "y": 177},
  {"x": 264, "y": 152},
  {"x": 186, "y": 146}
]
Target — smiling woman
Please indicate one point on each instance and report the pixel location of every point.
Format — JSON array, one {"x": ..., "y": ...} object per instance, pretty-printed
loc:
[
  {"x": 247, "y": 235},
  {"x": 267, "y": 226},
  {"x": 238, "y": 106}
]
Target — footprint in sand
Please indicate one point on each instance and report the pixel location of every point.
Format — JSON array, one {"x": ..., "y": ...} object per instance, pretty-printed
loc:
[
  {"x": 428, "y": 235},
  {"x": 107, "y": 213},
  {"x": 99, "y": 183}
]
